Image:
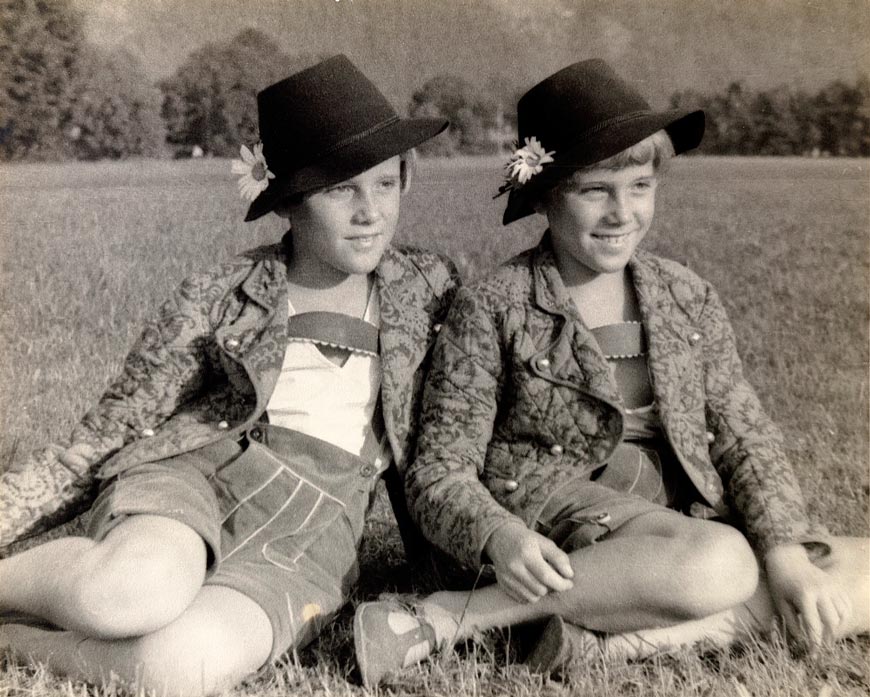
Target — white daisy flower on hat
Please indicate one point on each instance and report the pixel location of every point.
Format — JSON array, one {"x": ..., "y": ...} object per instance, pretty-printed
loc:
[
  {"x": 529, "y": 160},
  {"x": 255, "y": 174}
]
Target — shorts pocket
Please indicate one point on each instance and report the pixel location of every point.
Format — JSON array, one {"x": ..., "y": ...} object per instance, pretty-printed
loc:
[{"x": 262, "y": 499}]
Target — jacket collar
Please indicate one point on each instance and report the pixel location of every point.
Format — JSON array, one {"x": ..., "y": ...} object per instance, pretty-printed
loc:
[
  {"x": 669, "y": 329},
  {"x": 405, "y": 330}
]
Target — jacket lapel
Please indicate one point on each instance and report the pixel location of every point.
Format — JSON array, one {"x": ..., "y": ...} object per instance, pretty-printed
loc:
[
  {"x": 674, "y": 369},
  {"x": 406, "y": 335},
  {"x": 575, "y": 358},
  {"x": 257, "y": 338}
]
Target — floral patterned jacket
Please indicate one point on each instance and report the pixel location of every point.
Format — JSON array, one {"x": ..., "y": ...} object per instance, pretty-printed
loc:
[
  {"x": 205, "y": 368},
  {"x": 520, "y": 400}
]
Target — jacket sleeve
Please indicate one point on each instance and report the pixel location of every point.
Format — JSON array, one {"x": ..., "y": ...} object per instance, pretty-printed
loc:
[
  {"x": 165, "y": 368},
  {"x": 748, "y": 447},
  {"x": 444, "y": 280},
  {"x": 445, "y": 495}
]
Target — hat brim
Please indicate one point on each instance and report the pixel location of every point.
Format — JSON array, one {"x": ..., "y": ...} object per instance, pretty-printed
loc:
[
  {"x": 685, "y": 128},
  {"x": 346, "y": 162}
]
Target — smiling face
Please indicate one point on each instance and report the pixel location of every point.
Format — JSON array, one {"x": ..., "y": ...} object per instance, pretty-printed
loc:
[
  {"x": 344, "y": 229},
  {"x": 598, "y": 217}
]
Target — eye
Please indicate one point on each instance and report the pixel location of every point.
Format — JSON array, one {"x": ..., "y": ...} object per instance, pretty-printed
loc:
[
  {"x": 388, "y": 183},
  {"x": 644, "y": 185},
  {"x": 340, "y": 191},
  {"x": 591, "y": 191}
]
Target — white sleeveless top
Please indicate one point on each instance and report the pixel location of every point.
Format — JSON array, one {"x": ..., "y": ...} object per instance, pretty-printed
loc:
[{"x": 335, "y": 403}]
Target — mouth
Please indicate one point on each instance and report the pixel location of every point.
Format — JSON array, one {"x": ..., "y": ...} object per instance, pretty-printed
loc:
[
  {"x": 613, "y": 240},
  {"x": 363, "y": 241}
]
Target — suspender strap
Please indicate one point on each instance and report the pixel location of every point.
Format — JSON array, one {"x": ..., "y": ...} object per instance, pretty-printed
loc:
[{"x": 334, "y": 329}]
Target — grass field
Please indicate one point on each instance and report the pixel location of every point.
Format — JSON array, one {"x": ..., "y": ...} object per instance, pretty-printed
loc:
[{"x": 86, "y": 250}]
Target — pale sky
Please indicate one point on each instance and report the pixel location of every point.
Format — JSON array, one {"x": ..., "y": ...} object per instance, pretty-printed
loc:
[{"x": 667, "y": 44}]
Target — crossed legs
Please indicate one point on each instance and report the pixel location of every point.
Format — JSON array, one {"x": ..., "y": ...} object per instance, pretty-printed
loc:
[{"x": 659, "y": 582}]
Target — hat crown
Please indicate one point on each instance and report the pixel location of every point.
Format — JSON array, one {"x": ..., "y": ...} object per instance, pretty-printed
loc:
[
  {"x": 317, "y": 110},
  {"x": 579, "y": 98}
]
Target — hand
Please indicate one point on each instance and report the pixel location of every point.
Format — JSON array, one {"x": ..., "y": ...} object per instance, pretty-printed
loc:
[
  {"x": 77, "y": 457},
  {"x": 528, "y": 565},
  {"x": 813, "y": 604}
]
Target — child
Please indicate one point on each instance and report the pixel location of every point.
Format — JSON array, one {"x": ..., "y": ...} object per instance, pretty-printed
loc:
[
  {"x": 239, "y": 450},
  {"x": 588, "y": 431}
]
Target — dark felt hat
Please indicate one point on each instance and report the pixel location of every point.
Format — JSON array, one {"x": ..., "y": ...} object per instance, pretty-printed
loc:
[
  {"x": 326, "y": 124},
  {"x": 584, "y": 114}
]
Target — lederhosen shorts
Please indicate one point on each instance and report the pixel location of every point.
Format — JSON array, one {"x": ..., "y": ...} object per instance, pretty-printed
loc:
[{"x": 281, "y": 514}]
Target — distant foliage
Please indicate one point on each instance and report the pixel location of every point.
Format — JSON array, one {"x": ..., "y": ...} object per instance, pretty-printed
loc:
[
  {"x": 63, "y": 98},
  {"x": 781, "y": 121},
  {"x": 116, "y": 111},
  {"x": 211, "y": 100},
  {"x": 40, "y": 43},
  {"x": 60, "y": 98},
  {"x": 477, "y": 117}
]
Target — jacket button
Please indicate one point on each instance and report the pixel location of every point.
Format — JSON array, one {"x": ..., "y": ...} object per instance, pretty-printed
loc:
[
  {"x": 436, "y": 328},
  {"x": 511, "y": 485},
  {"x": 232, "y": 344},
  {"x": 694, "y": 338},
  {"x": 367, "y": 470},
  {"x": 710, "y": 436},
  {"x": 711, "y": 487},
  {"x": 223, "y": 425},
  {"x": 255, "y": 434},
  {"x": 147, "y": 432},
  {"x": 543, "y": 363},
  {"x": 556, "y": 449}
]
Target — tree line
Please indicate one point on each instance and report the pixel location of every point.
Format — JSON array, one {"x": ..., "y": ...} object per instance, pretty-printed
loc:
[{"x": 62, "y": 98}]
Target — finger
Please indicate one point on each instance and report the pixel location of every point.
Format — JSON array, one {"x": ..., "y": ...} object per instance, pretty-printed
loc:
[
  {"x": 829, "y": 617},
  {"x": 520, "y": 590},
  {"x": 547, "y": 575},
  {"x": 528, "y": 579},
  {"x": 790, "y": 619},
  {"x": 810, "y": 621},
  {"x": 843, "y": 605},
  {"x": 558, "y": 560},
  {"x": 513, "y": 591}
]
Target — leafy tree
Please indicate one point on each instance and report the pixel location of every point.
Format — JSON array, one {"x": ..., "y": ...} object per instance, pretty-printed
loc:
[
  {"x": 115, "y": 111},
  {"x": 40, "y": 46},
  {"x": 776, "y": 126},
  {"x": 843, "y": 118},
  {"x": 211, "y": 100},
  {"x": 476, "y": 117}
]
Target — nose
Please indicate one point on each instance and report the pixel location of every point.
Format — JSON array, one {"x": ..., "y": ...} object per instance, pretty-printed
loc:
[
  {"x": 620, "y": 208},
  {"x": 366, "y": 209}
]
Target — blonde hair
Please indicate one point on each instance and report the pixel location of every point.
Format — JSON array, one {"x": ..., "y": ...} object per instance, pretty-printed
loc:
[
  {"x": 407, "y": 168},
  {"x": 656, "y": 148}
]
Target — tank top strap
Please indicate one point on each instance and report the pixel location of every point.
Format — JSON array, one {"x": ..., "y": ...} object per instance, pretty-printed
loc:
[{"x": 334, "y": 329}]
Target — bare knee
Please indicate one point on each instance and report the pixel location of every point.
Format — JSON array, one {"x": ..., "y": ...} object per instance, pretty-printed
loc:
[
  {"x": 138, "y": 583},
  {"x": 717, "y": 570},
  {"x": 198, "y": 663},
  {"x": 203, "y": 652}
]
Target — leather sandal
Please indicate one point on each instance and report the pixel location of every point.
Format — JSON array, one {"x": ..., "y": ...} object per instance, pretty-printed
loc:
[
  {"x": 389, "y": 635},
  {"x": 562, "y": 644}
]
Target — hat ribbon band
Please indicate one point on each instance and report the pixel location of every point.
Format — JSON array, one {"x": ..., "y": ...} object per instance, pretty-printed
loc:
[
  {"x": 356, "y": 137},
  {"x": 607, "y": 123}
]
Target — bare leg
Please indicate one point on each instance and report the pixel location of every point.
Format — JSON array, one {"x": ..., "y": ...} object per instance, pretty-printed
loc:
[
  {"x": 849, "y": 562},
  {"x": 98, "y": 588},
  {"x": 659, "y": 569},
  {"x": 222, "y": 637}
]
